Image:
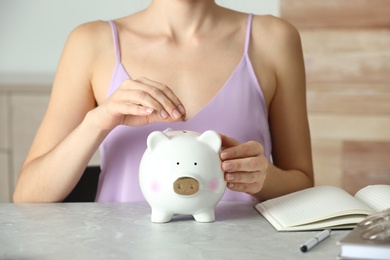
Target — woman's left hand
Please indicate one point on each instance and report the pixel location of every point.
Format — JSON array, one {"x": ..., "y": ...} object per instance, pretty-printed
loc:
[{"x": 244, "y": 164}]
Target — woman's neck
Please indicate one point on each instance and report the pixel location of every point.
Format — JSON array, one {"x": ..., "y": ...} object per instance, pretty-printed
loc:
[{"x": 182, "y": 19}]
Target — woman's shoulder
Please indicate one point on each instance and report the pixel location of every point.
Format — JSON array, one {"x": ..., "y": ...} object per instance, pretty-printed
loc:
[
  {"x": 93, "y": 31},
  {"x": 274, "y": 27},
  {"x": 275, "y": 45},
  {"x": 274, "y": 38},
  {"x": 89, "y": 40}
]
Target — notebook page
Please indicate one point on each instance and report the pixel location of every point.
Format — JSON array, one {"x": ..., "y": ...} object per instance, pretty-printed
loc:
[
  {"x": 376, "y": 196},
  {"x": 311, "y": 205}
]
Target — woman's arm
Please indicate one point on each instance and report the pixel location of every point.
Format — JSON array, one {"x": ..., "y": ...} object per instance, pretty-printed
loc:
[
  {"x": 74, "y": 126},
  {"x": 292, "y": 157},
  {"x": 291, "y": 169},
  {"x": 66, "y": 138}
]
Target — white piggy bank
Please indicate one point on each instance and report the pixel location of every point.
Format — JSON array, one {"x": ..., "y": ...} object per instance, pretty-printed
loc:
[{"x": 180, "y": 173}]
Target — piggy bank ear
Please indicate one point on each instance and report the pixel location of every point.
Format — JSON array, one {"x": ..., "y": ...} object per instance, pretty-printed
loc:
[
  {"x": 156, "y": 138},
  {"x": 212, "y": 139}
]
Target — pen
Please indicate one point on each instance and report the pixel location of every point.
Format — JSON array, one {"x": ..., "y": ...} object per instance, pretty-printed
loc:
[{"x": 312, "y": 242}]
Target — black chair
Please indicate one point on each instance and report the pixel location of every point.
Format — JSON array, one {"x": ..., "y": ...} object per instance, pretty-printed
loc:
[{"x": 86, "y": 188}]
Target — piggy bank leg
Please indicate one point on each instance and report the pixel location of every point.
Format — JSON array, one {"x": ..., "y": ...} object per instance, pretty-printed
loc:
[
  {"x": 160, "y": 216},
  {"x": 205, "y": 216}
]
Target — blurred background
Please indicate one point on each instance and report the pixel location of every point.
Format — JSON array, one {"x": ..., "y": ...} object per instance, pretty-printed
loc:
[{"x": 347, "y": 55}]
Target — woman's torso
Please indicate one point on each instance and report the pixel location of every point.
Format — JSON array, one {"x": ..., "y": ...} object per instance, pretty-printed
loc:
[{"x": 212, "y": 79}]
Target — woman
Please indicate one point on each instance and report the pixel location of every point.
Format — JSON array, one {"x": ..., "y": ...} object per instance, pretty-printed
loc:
[{"x": 183, "y": 64}]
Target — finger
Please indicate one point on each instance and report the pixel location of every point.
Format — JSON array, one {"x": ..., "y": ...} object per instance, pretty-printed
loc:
[
  {"x": 228, "y": 141},
  {"x": 164, "y": 88},
  {"x": 140, "y": 95},
  {"x": 246, "y": 182},
  {"x": 136, "y": 107},
  {"x": 249, "y": 149},
  {"x": 243, "y": 177},
  {"x": 245, "y": 187},
  {"x": 139, "y": 115},
  {"x": 133, "y": 109},
  {"x": 165, "y": 96},
  {"x": 143, "y": 99},
  {"x": 248, "y": 164}
]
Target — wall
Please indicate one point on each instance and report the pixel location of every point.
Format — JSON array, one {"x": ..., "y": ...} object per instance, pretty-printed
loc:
[
  {"x": 346, "y": 45},
  {"x": 32, "y": 35}
]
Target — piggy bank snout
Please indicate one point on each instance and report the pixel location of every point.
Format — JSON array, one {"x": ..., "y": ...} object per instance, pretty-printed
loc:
[{"x": 186, "y": 186}]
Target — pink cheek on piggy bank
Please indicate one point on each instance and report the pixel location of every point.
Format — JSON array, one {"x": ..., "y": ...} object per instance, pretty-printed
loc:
[
  {"x": 155, "y": 187},
  {"x": 214, "y": 185}
]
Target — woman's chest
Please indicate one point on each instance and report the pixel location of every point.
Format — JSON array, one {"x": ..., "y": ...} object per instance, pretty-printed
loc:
[{"x": 194, "y": 74}]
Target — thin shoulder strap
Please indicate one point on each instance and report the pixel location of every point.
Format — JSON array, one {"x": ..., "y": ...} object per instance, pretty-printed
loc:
[
  {"x": 116, "y": 40},
  {"x": 248, "y": 32}
]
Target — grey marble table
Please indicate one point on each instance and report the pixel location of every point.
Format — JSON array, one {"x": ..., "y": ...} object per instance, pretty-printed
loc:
[{"x": 124, "y": 231}]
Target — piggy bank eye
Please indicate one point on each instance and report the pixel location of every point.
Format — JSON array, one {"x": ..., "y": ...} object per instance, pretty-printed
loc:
[
  {"x": 177, "y": 163},
  {"x": 195, "y": 163}
]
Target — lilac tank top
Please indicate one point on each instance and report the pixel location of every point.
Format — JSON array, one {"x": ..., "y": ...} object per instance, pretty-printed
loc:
[{"x": 237, "y": 110}]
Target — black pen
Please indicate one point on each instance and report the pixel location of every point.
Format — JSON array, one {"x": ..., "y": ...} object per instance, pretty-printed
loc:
[{"x": 312, "y": 242}]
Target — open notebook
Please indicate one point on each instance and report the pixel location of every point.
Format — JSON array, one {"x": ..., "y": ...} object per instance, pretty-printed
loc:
[{"x": 324, "y": 207}]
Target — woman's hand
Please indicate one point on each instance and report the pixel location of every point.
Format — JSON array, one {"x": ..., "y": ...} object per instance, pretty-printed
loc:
[
  {"x": 139, "y": 102},
  {"x": 244, "y": 164}
]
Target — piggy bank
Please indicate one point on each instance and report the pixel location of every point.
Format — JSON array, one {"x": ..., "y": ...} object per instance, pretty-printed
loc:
[{"x": 180, "y": 173}]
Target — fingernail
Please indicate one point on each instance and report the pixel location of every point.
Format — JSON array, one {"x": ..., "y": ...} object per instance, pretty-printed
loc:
[
  {"x": 227, "y": 166},
  {"x": 231, "y": 185},
  {"x": 230, "y": 177},
  {"x": 181, "y": 109},
  {"x": 149, "y": 110},
  {"x": 176, "y": 114},
  {"x": 164, "y": 114},
  {"x": 224, "y": 155}
]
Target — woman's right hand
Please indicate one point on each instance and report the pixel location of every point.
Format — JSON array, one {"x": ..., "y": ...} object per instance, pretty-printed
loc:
[{"x": 139, "y": 102}]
